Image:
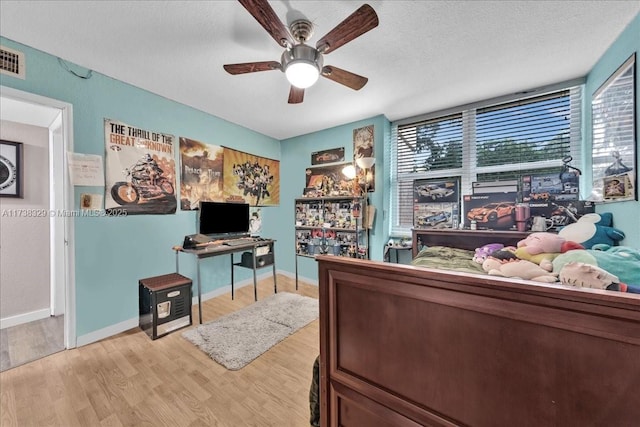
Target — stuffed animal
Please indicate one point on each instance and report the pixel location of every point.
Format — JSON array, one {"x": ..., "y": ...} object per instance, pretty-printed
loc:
[
  {"x": 542, "y": 247},
  {"x": 520, "y": 269},
  {"x": 544, "y": 242},
  {"x": 485, "y": 251},
  {"x": 592, "y": 229},
  {"x": 620, "y": 261},
  {"x": 505, "y": 254},
  {"x": 584, "y": 275},
  {"x": 544, "y": 260}
]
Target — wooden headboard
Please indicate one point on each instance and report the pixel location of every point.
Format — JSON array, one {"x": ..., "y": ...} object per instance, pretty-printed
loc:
[{"x": 410, "y": 346}]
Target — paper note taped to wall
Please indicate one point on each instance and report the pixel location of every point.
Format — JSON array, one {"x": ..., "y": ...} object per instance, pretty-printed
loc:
[{"x": 86, "y": 169}]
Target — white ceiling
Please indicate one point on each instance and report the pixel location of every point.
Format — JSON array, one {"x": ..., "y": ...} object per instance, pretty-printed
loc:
[{"x": 424, "y": 55}]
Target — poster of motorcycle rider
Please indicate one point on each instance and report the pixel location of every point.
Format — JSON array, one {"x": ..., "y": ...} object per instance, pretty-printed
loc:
[
  {"x": 250, "y": 179},
  {"x": 200, "y": 173},
  {"x": 140, "y": 170}
]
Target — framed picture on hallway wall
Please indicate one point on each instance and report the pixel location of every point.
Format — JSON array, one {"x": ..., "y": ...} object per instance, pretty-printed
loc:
[{"x": 11, "y": 169}]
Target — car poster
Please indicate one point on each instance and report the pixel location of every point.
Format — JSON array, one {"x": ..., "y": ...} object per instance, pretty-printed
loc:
[
  {"x": 200, "y": 173},
  {"x": 327, "y": 156},
  {"x": 493, "y": 211},
  {"x": 436, "y": 203},
  {"x": 140, "y": 170},
  {"x": 550, "y": 187}
]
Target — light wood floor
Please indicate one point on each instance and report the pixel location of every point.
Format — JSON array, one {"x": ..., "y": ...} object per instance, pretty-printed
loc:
[{"x": 130, "y": 380}]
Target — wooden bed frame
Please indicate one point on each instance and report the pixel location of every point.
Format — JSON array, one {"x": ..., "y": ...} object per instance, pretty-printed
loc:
[{"x": 411, "y": 346}]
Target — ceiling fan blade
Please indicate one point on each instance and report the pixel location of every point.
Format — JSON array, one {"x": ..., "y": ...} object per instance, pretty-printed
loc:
[
  {"x": 266, "y": 16},
  {"x": 356, "y": 24},
  {"x": 296, "y": 95},
  {"x": 251, "y": 67},
  {"x": 344, "y": 77}
]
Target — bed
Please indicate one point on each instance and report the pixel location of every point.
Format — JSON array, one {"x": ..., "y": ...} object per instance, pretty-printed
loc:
[{"x": 403, "y": 345}]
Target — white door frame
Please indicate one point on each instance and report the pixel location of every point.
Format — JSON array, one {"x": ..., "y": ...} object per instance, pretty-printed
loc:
[{"x": 61, "y": 200}]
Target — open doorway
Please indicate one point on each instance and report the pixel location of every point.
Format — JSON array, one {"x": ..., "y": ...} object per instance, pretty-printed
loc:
[{"x": 53, "y": 119}]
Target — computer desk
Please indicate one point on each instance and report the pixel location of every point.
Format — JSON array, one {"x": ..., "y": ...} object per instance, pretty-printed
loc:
[{"x": 218, "y": 248}]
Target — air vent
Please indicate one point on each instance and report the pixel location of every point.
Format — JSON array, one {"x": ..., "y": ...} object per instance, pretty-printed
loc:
[{"x": 12, "y": 62}]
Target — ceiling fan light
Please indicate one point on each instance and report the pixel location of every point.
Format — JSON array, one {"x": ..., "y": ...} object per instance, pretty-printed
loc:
[{"x": 302, "y": 73}]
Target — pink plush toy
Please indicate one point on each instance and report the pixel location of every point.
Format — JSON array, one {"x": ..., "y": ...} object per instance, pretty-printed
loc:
[
  {"x": 542, "y": 247},
  {"x": 542, "y": 242}
]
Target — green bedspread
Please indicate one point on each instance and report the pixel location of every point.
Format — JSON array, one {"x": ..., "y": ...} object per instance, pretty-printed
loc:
[{"x": 447, "y": 258}]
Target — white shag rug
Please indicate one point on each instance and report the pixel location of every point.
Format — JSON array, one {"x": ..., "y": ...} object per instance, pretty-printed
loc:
[{"x": 236, "y": 339}]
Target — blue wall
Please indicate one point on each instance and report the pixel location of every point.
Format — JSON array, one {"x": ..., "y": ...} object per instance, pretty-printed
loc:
[
  {"x": 296, "y": 156},
  {"x": 626, "y": 215},
  {"x": 112, "y": 254}
]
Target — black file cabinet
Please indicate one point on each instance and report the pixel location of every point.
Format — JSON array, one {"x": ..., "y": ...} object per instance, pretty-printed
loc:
[{"x": 165, "y": 304}]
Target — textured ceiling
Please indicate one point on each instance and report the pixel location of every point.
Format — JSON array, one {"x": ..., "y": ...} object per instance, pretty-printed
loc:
[{"x": 424, "y": 55}]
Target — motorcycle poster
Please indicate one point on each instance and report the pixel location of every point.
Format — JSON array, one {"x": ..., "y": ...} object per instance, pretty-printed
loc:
[{"x": 140, "y": 170}]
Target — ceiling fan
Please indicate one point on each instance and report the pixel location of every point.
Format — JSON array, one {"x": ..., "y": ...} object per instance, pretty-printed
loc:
[{"x": 302, "y": 63}]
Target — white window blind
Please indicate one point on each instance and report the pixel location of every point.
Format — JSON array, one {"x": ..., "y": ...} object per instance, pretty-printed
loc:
[
  {"x": 613, "y": 116},
  {"x": 484, "y": 142}
]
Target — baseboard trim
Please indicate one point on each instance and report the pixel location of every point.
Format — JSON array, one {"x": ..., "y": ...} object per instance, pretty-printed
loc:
[
  {"x": 308, "y": 281},
  {"x": 107, "y": 332},
  {"x": 135, "y": 322},
  {"x": 19, "y": 319}
]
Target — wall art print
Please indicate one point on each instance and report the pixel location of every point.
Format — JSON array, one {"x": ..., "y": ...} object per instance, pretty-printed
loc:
[
  {"x": 140, "y": 170},
  {"x": 326, "y": 181},
  {"x": 363, "y": 143},
  {"x": 327, "y": 156},
  {"x": 250, "y": 179},
  {"x": 11, "y": 162},
  {"x": 201, "y": 168}
]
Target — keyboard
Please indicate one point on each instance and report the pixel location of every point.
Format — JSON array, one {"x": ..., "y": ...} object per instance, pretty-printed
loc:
[{"x": 238, "y": 242}]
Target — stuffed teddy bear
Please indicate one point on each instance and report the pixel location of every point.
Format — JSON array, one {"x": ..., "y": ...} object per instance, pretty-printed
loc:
[
  {"x": 520, "y": 269},
  {"x": 485, "y": 251},
  {"x": 620, "y": 261},
  {"x": 591, "y": 229}
]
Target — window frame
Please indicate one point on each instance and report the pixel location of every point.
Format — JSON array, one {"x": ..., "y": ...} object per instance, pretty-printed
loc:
[{"x": 469, "y": 171}]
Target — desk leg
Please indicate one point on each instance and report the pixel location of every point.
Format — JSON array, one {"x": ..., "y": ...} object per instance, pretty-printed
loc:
[
  {"x": 296, "y": 261},
  {"x": 199, "y": 289},
  {"x": 255, "y": 280},
  {"x": 231, "y": 255},
  {"x": 275, "y": 284}
]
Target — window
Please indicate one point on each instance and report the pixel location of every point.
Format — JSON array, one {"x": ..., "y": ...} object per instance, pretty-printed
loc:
[
  {"x": 491, "y": 141},
  {"x": 614, "y": 140}
]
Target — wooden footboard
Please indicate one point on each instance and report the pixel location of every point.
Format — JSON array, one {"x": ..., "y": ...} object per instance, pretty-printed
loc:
[{"x": 409, "y": 346}]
